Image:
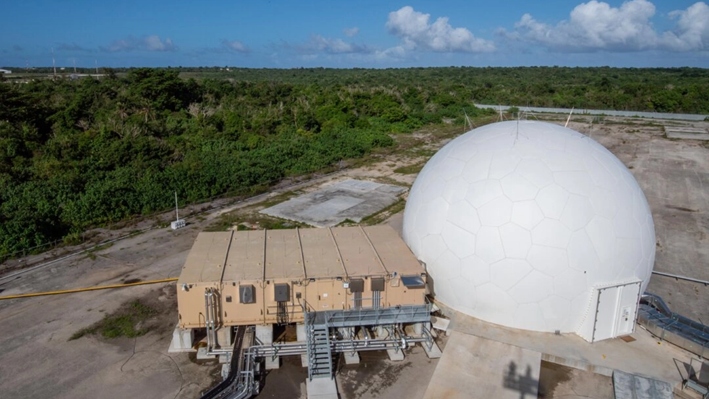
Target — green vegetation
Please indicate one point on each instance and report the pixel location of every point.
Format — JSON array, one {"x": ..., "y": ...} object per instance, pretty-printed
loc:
[
  {"x": 682, "y": 90},
  {"x": 126, "y": 322},
  {"x": 385, "y": 213},
  {"x": 76, "y": 154},
  {"x": 409, "y": 169}
]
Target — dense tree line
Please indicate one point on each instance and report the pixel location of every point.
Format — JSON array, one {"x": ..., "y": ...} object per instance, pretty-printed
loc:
[
  {"x": 81, "y": 153},
  {"x": 678, "y": 90}
]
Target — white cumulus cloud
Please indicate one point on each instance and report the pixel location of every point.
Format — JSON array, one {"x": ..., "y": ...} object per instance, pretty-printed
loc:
[
  {"x": 692, "y": 32},
  {"x": 350, "y": 32},
  {"x": 235, "y": 45},
  {"x": 597, "y": 26},
  {"x": 145, "y": 43},
  {"x": 319, "y": 43},
  {"x": 416, "y": 32}
]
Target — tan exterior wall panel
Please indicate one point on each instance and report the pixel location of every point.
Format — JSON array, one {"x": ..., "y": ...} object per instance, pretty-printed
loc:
[
  {"x": 236, "y": 313},
  {"x": 190, "y": 304}
]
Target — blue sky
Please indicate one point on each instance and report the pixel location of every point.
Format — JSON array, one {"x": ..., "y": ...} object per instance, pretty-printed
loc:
[{"x": 344, "y": 34}]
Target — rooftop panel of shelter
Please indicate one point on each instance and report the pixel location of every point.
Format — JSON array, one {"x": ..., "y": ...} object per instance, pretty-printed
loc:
[
  {"x": 357, "y": 252},
  {"x": 246, "y": 256},
  {"x": 284, "y": 258},
  {"x": 322, "y": 258},
  {"x": 205, "y": 261},
  {"x": 393, "y": 251}
]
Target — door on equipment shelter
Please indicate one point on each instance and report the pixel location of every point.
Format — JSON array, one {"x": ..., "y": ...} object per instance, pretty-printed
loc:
[
  {"x": 616, "y": 311},
  {"x": 328, "y": 291}
]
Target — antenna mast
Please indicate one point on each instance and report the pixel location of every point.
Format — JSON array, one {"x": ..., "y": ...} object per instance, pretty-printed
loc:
[
  {"x": 177, "y": 211},
  {"x": 178, "y": 223}
]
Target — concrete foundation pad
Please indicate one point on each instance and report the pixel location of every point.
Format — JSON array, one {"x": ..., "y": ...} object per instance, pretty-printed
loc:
[
  {"x": 334, "y": 203},
  {"x": 434, "y": 352},
  {"x": 440, "y": 323},
  {"x": 395, "y": 355},
  {"x": 202, "y": 354},
  {"x": 302, "y": 336},
  {"x": 273, "y": 364},
  {"x": 182, "y": 340},
  {"x": 630, "y": 386},
  {"x": 224, "y": 337},
  {"x": 321, "y": 388},
  {"x": 474, "y": 367},
  {"x": 351, "y": 358}
]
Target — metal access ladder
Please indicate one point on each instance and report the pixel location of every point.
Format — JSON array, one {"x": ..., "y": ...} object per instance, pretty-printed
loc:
[{"x": 319, "y": 348}]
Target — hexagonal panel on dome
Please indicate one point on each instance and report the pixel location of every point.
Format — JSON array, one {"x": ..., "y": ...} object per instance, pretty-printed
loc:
[
  {"x": 527, "y": 214},
  {"x": 459, "y": 241},
  {"x": 465, "y": 216},
  {"x": 516, "y": 241},
  {"x": 551, "y": 200},
  {"x": 536, "y": 172},
  {"x": 551, "y": 233},
  {"x": 533, "y": 288},
  {"x": 517, "y": 188},
  {"x": 508, "y": 272},
  {"x": 488, "y": 244},
  {"x": 496, "y": 212},
  {"x": 550, "y": 261},
  {"x": 532, "y": 217}
]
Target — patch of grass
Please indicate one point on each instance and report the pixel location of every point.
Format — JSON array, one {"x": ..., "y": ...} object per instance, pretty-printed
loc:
[
  {"x": 91, "y": 252},
  {"x": 125, "y": 322},
  {"x": 385, "y": 213},
  {"x": 410, "y": 169},
  {"x": 277, "y": 199},
  {"x": 251, "y": 221}
]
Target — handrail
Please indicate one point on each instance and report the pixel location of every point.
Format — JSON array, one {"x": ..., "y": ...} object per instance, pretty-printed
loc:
[{"x": 677, "y": 276}]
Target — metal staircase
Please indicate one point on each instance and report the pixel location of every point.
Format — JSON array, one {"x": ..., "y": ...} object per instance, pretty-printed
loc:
[{"x": 319, "y": 349}]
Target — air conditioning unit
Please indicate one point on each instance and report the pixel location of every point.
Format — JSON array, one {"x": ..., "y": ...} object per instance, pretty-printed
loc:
[{"x": 247, "y": 294}]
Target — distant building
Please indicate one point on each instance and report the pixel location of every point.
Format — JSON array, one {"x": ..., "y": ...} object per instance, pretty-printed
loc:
[{"x": 7, "y": 71}]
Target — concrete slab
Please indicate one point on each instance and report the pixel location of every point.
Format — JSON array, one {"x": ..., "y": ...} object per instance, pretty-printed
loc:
[
  {"x": 203, "y": 355},
  {"x": 645, "y": 356},
  {"x": 440, "y": 323},
  {"x": 182, "y": 340},
  {"x": 302, "y": 336},
  {"x": 473, "y": 367},
  {"x": 395, "y": 355},
  {"x": 434, "y": 352},
  {"x": 321, "y": 388},
  {"x": 630, "y": 386},
  {"x": 332, "y": 204},
  {"x": 264, "y": 334},
  {"x": 351, "y": 358},
  {"x": 690, "y": 133}
]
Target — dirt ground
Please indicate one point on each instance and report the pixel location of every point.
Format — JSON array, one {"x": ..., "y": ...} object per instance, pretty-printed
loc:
[{"x": 38, "y": 359}]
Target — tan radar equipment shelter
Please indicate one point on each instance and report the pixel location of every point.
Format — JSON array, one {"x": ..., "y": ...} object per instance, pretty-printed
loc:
[{"x": 272, "y": 276}]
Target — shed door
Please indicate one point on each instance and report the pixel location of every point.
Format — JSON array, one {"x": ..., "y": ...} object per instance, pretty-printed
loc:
[
  {"x": 616, "y": 311},
  {"x": 327, "y": 296}
]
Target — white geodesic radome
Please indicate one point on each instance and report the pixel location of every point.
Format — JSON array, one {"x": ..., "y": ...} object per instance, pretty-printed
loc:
[{"x": 519, "y": 222}]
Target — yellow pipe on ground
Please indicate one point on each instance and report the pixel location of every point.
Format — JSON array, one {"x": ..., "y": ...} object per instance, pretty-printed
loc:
[{"x": 74, "y": 290}]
